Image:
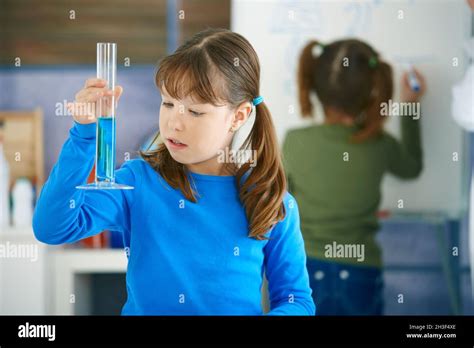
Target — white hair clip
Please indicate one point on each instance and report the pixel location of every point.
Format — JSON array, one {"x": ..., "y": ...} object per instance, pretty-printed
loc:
[{"x": 317, "y": 50}]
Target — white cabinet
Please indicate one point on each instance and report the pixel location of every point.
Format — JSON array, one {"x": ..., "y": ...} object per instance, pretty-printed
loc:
[
  {"x": 23, "y": 278},
  {"x": 40, "y": 279},
  {"x": 72, "y": 270}
]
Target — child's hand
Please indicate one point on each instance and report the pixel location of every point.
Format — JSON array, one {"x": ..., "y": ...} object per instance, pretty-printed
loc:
[
  {"x": 83, "y": 109},
  {"x": 409, "y": 95}
]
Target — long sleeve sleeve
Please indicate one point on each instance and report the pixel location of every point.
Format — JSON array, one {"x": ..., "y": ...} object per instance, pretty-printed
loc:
[
  {"x": 64, "y": 214},
  {"x": 406, "y": 157},
  {"x": 285, "y": 266}
]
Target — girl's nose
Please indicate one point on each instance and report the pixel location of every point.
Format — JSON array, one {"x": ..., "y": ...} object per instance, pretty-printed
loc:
[{"x": 175, "y": 123}]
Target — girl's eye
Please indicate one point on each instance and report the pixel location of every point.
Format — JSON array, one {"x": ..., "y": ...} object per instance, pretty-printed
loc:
[
  {"x": 168, "y": 105},
  {"x": 195, "y": 113}
]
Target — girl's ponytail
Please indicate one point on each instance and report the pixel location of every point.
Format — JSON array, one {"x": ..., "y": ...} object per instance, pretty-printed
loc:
[
  {"x": 263, "y": 190},
  {"x": 306, "y": 65},
  {"x": 382, "y": 90}
]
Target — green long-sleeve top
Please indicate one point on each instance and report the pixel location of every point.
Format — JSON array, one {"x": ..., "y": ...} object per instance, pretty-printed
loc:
[{"x": 337, "y": 185}]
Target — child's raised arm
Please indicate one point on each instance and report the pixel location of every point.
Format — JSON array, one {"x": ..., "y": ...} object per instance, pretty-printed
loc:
[
  {"x": 285, "y": 266},
  {"x": 64, "y": 214},
  {"x": 406, "y": 157}
]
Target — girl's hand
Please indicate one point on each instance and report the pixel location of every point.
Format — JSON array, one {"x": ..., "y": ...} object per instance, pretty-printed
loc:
[
  {"x": 409, "y": 95},
  {"x": 83, "y": 110}
]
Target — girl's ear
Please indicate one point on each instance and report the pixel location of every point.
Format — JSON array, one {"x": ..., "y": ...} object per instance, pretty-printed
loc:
[{"x": 241, "y": 115}]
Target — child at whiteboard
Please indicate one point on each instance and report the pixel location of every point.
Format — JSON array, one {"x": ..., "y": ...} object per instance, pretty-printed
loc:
[
  {"x": 335, "y": 169},
  {"x": 200, "y": 228}
]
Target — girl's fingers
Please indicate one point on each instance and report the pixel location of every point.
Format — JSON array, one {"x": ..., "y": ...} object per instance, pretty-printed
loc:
[
  {"x": 94, "y": 82},
  {"x": 406, "y": 83},
  {"x": 79, "y": 110},
  {"x": 92, "y": 94},
  {"x": 89, "y": 97},
  {"x": 81, "y": 95},
  {"x": 118, "y": 93},
  {"x": 420, "y": 78},
  {"x": 94, "y": 90}
]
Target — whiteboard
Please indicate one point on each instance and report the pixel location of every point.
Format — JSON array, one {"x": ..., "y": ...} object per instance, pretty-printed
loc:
[{"x": 430, "y": 34}]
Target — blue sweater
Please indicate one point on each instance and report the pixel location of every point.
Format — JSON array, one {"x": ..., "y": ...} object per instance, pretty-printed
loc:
[{"x": 184, "y": 258}]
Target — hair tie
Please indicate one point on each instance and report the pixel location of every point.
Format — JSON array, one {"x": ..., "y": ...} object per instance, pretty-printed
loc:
[
  {"x": 373, "y": 62},
  {"x": 317, "y": 50},
  {"x": 257, "y": 100}
]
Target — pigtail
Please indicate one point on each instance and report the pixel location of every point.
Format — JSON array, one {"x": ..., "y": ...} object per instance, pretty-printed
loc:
[
  {"x": 382, "y": 91},
  {"x": 263, "y": 190},
  {"x": 305, "y": 74}
]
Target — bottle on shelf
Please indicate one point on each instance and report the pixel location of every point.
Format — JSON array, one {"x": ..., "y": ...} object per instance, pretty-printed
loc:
[
  {"x": 22, "y": 196},
  {"x": 4, "y": 186}
]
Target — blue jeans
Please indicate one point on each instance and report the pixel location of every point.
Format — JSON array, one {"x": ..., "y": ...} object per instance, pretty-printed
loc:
[{"x": 340, "y": 289}]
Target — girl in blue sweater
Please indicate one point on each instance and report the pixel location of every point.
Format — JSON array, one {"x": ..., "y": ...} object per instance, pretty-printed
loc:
[{"x": 200, "y": 229}]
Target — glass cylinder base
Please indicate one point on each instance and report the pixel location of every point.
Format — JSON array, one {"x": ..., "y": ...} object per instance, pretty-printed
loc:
[{"x": 104, "y": 186}]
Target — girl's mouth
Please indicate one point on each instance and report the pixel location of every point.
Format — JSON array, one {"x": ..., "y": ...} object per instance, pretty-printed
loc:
[{"x": 175, "y": 144}]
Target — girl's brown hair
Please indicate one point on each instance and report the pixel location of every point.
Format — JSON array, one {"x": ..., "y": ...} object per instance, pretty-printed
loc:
[
  {"x": 215, "y": 66},
  {"x": 349, "y": 76}
]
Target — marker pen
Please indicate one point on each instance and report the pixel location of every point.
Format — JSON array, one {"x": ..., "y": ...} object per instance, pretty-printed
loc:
[{"x": 412, "y": 79}]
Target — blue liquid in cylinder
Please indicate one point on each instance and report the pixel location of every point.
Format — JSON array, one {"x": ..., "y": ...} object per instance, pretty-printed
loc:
[{"x": 105, "y": 149}]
